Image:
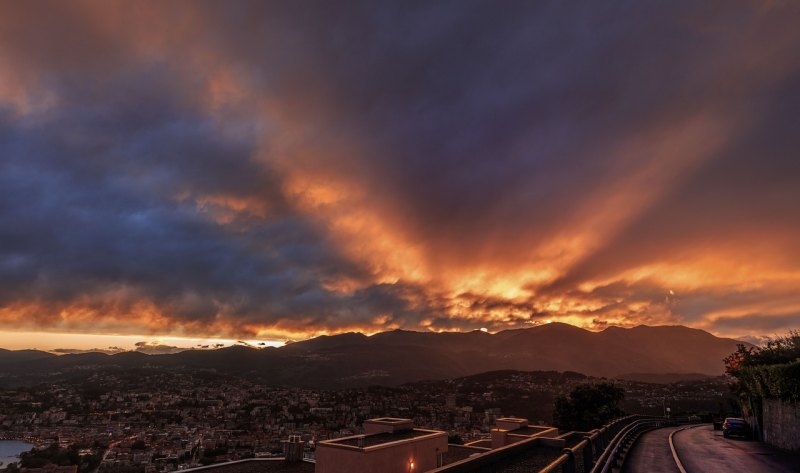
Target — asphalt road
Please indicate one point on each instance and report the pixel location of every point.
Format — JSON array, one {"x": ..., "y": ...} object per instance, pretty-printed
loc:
[
  {"x": 651, "y": 453},
  {"x": 704, "y": 450}
]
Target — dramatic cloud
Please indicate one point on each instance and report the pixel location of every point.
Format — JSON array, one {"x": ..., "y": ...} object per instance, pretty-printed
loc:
[
  {"x": 155, "y": 348},
  {"x": 76, "y": 351},
  {"x": 276, "y": 170}
]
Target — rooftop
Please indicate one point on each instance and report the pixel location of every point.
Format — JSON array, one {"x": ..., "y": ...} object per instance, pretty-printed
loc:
[
  {"x": 529, "y": 430},
  {"x": 459, "y": 452},
  {"x": 531, "y": 454},
  {"x": 387, "y": 424},
  {"x": 390, "y": 420},
  {"x": 364, "y": 441},
  {"x": 257, "y": 465},
  {"x": 482, "y": 443},
  {"x": 532, "y": 459}
]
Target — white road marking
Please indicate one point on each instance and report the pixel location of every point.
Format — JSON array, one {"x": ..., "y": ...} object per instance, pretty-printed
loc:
[{"x": 672, "y": 446}]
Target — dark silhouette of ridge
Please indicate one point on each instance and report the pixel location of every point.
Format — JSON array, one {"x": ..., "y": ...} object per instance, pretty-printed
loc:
[
  {"x": 328, "y": 341},
  {"x": 19, "y": 356},
  {"x": 397, "y": 356}
]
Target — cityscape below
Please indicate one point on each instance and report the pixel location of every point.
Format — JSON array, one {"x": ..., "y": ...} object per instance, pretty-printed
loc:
[
  {"x": 154, "y": 419},
  {"x": 332, "y": 404}
]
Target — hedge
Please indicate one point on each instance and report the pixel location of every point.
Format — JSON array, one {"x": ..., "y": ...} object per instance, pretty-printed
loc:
[{"x": 780, "y": 381}]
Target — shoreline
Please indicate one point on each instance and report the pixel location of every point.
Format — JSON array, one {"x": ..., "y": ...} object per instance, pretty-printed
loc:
[
  {"x": 15, "y": 458},
  {"x": 35, "y": 441}
]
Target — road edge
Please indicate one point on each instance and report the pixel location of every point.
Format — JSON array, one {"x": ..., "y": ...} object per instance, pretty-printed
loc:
[{"x": 672, "y": 446}]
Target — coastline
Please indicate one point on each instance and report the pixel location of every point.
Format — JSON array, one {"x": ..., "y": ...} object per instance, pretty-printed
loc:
[{"x": 13, "y": 455}]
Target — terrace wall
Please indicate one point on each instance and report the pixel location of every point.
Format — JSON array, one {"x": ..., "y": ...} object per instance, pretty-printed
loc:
[
  {"x": 389, "y": 458},
  {"x": 781, "y": 424}
]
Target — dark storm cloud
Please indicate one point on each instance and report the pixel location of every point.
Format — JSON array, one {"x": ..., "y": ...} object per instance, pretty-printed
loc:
[
  {"x": 90, "y": 203},
  {"x": 597, "y": 156},
  {"x": 477, "y": 116},
  {"x": 489, "y": 130}
]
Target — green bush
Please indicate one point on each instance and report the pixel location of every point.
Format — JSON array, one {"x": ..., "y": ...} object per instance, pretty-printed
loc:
[
  {"x": 588, "y": 406},
  {"x": 771, "y": 371},
  {"x": 773, "y": 381}
]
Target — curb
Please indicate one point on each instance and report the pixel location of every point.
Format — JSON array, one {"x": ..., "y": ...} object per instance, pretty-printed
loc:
[{"x": 672, "y": 446}]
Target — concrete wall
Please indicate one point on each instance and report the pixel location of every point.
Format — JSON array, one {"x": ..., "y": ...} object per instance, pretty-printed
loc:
[
  {"x": 395, "y": 458},
  {"x": 502, "y": 438},
  {"x": 782, "y": 424},
  {"x": 510, "y": 423},
  {"x": 387, "y": 424},
  {"x": 499, "y": 438}
]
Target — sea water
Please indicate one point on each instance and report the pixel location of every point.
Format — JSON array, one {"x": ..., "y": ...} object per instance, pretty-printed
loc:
[{"x": 9, "y": 449}]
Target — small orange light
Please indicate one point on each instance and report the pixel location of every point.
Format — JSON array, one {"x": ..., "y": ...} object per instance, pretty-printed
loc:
[{"x": 411, "y": 465}]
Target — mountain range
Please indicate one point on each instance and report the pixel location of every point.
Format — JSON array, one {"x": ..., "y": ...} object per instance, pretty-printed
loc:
[{"x": 398, "y": 356}]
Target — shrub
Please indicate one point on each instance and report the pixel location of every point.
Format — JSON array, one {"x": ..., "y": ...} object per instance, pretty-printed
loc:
[{"x": 588, "y": 406}]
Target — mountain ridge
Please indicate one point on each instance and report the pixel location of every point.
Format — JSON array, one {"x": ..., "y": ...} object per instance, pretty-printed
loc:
[{"x": 399, "y": 356}]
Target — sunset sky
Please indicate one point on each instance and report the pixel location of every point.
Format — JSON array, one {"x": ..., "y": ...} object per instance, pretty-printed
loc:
[{"x": 181, "y": 172}]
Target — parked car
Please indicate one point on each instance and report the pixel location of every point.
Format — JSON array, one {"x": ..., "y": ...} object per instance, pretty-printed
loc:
[{"x": 735, "y": 426}]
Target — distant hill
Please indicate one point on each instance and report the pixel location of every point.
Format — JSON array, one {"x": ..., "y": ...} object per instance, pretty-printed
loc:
[
  {"x": 20, "y": 356},
  {"x": 663, "y": 378},
  {"x": 398, "y": 356}
]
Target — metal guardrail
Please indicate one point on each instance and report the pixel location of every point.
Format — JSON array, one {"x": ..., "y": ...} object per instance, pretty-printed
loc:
[
  {"x": 614, "y": 454},
  {"x": 602, "y": 448}
]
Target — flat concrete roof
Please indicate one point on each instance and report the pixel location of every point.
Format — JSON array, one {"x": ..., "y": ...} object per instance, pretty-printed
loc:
[
  {"x": 256, "y": 465},
  {"x": 379, "y": 440},
  {"x": 389, "y": 420},
  {"x": 529, "y": 430}
]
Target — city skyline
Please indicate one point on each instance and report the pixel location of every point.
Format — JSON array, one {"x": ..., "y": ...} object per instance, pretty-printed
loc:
[{"x": 198, "y": 173}]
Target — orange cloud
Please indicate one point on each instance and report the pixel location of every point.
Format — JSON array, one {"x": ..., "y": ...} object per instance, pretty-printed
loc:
[{"x": 266, "y": 172}]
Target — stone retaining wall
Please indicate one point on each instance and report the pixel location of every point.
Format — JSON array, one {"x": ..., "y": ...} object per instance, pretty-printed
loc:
[{"x": 782, "y": 424}]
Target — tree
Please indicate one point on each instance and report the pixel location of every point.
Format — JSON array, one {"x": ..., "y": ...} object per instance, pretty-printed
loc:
[
  {"x": 455, "y": 439},
  {"x": 139, "y": 445},
  {"x": 768, "y": 371},
  {"x": 778, "y": 350},
  {"x": 588, "y": 406}
]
